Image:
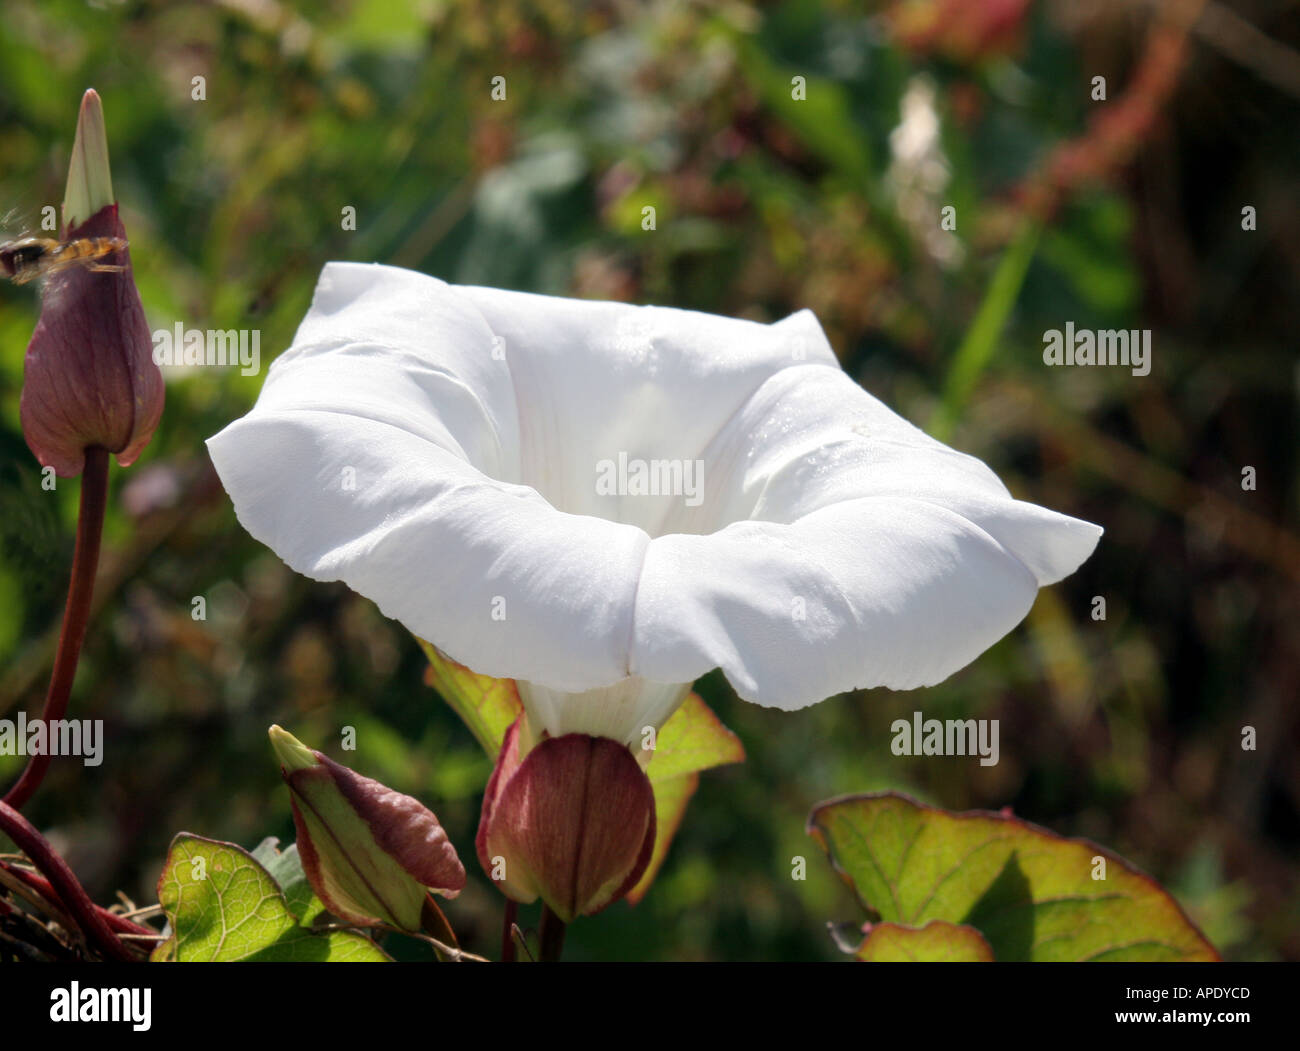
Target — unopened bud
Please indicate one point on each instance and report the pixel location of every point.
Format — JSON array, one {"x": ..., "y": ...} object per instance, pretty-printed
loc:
[
  {"x": 573, "y": 821},
  {"x": 371, "y": 854},
  {"x": 89, "y": 378}
]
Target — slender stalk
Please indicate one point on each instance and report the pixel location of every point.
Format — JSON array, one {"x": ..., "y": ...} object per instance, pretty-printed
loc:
[
  {"x": 76, "y": 614},
  {"x": 508, "y": 931},
  {"x": 551, "y": 935},
  {"x": 71, "y": 893}
]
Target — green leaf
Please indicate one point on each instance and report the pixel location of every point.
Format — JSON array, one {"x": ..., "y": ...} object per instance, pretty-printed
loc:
[
  {"x": 693, "y": 739},
  {"x": 1028, "y": 891},
  {"x": 976, "y": 350},
  {"x": 671, "y": 797},
  {"x": 823, "y": 119},
  {"x": 1089, "y": 246},
  {"x": 936, "y": 942},
  {"x": 285, "y": 867},
  {"x": 488, "y": 706},
  {"x": 222, "y": 906}
]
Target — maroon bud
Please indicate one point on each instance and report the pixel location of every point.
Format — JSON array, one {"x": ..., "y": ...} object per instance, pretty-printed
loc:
[
  {"x": 89, "y": 378},
  {"x": 573, "y": 822}
]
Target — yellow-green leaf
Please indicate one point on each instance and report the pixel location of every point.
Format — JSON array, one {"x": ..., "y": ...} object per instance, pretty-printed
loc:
[
  {"x": 222, "y": 905},
  {"x": 936, "y": 942},
  {"x": 285, "y": 867},
  {"x": 693, "y": 739},
  {"x": 1032, "y": 894},
  {"x": 671, "y": 796},
  {"x": 487, "y": 705}
]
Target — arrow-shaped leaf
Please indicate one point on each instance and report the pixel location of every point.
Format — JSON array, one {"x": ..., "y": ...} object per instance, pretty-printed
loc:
[
  {"x": 1032, "y": 894},
  {"x": 222, "y": 905}
]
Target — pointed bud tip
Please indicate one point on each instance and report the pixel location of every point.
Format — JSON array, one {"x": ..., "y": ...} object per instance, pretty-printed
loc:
[
  {"x": 90, "y": 182},
  {"x": 292, "y": 753}
]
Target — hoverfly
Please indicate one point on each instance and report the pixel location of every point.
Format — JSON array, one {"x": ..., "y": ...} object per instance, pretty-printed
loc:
[{"x": 31, "y": 257}]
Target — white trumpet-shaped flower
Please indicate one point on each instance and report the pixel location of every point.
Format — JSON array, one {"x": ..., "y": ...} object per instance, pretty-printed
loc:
[{"x": 605, "y": 501}]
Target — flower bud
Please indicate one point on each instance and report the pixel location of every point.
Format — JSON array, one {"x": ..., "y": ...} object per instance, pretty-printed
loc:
[
  {"x": 370, "y": 854},
  {"x": 89, "y": 378},
  {"x": 573, "y": 822}
]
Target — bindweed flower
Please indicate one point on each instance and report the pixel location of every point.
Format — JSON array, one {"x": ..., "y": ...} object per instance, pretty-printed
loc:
[
  {"x": 372, "y": 855},
  {"x": 572, "y": 822},
  {"x": 89, "y": 378},
  {"x": 604, "y": 502}
]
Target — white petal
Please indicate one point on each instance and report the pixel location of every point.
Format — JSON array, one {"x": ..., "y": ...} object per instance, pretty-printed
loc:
[
  {"x": 598, "y": 379},
  {"x": 811, "y": 438},
  {"x": 866, "y": 553},
  {"x": 364, "y": 461},
  {"x": 489, "y": 572},
  {"x": 399, "y": 347},
  {"x": 622, "y": 711},
  {"x": 874, "y": 592}
]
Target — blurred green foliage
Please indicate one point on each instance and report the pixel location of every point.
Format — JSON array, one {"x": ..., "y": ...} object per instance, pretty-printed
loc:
[{"x": 1125, "y": 730}]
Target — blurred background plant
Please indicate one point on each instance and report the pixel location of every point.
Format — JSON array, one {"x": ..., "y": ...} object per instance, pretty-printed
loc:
[{"x": 1122, "y": 213}]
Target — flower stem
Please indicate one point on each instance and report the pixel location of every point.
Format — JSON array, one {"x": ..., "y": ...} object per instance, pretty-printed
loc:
[
  {"x": 70, "y": 892},
  {"x": 508, "y": 931},
  {"x": 551, "y": 935},
  {"x": 76, "y": 614}
]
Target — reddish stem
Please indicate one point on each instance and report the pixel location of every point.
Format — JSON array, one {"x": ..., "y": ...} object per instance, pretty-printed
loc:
[
  {"x": 76, "y": 614},
  {"x": 71, "y": 893},
  {"x": 42, "y": 886},
  {"x": 551, "y": 935},
  {"x": 508, "y": 931}
]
